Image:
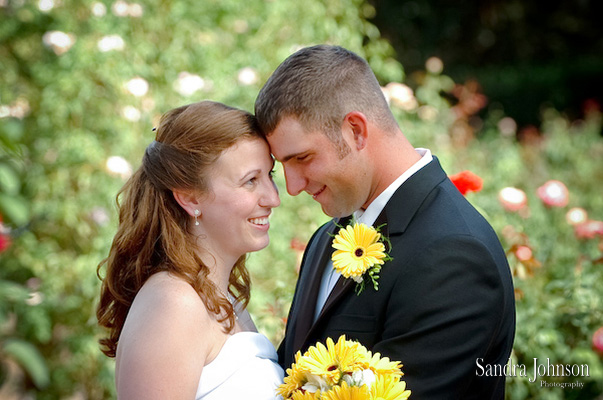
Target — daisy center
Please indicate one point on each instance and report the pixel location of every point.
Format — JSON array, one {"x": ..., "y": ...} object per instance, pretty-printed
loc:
[{"x": 359, "y": 252}]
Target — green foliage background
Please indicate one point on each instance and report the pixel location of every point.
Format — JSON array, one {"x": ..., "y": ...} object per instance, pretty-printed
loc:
[{"x": 62, "y": 116}]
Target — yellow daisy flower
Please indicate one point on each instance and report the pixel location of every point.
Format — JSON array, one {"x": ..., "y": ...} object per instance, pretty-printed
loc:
[
  {"x": 352, "y": 355},
  {"x": 357, "y": 249},
  {"x": 335, "y": 359},
  {"x": 294, "y": 380},
  {"x": 389, "y": 388},
  {"x": 383, "y": 366},
  {"x": 305, "y": 396},
  {"x": 321, "y": 360},
  {"x": 345, "y": 392}
]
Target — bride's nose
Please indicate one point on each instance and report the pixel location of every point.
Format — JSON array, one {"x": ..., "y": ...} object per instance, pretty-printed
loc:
[{"x": 270, "y": 196}]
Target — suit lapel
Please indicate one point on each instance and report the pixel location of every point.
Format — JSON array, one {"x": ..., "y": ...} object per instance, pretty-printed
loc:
[
  {"x": 342, "y": 286},
  {"x": 409, "y": 197},
  {"x": 303, "y": 317},
  {"x": 381, "y": 222}
]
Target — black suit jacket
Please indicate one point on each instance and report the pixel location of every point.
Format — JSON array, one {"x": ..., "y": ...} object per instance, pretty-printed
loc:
[{"x": 444, "y": 301}]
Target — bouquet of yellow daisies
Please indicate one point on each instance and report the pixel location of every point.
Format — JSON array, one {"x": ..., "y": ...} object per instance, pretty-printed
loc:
[{"x": 345, "y": 370}]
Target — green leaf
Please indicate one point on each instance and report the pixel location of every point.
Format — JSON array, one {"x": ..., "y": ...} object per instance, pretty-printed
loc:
[
  {"x": 12, "y": 292},
  {"x": 9, "y": 180},
  {"x": 14, "y": 209},
  {"x": 30, "y": 359},
  {"x": 12, "y": 130}
]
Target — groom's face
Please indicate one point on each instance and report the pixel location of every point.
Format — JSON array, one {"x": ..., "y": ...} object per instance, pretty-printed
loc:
[{"x": 314, "y": 164}]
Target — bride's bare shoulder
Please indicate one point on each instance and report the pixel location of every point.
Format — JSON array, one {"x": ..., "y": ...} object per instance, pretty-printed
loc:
[
  {"x": 167, "y": 314},
  {"x": 167, "y": 337},
  {"x": 166, "y": 293}
]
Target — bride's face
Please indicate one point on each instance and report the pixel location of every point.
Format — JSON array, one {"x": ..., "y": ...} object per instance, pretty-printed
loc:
[{"x": 234, "y": 214}]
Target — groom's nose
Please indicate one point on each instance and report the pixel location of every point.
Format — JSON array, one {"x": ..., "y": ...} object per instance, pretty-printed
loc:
[{"x": 296, "y": 183}]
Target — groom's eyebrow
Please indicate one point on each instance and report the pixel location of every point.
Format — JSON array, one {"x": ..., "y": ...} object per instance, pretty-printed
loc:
[{"x": 287, "y": 158}]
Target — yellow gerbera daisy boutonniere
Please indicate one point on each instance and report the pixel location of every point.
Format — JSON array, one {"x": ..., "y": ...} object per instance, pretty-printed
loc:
[{"x": 359, "y": 254}]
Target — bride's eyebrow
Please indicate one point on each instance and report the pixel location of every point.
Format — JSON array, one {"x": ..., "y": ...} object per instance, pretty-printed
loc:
[{"x": 249, "y": 174}]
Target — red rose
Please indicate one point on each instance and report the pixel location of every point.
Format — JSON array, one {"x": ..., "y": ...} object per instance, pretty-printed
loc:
[
  {"x": 297, "y": 244},
  {"x": 467, "y": 181},
  {"x": 598, "y": 341},
  {"x": 4, "y": 242}
]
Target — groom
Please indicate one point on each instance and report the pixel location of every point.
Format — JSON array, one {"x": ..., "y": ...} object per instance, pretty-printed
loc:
[{"x": 445, "y": 301}]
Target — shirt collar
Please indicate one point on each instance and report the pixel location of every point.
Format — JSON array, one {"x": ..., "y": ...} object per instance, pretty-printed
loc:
[{"x": 369, "y": 216}]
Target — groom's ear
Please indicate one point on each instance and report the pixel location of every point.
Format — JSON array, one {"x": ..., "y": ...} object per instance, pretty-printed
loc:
[{"x": 356, "y": 123}]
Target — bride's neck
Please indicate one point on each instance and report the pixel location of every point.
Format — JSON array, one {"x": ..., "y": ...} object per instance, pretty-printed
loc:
[{"x": 220, "y": 270}]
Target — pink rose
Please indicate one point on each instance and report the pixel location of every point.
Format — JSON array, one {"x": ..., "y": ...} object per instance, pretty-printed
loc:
[
  {"x": 554, "y": 194},
  {"x": 576, "y": 216},
  {"x": 589, "y": 229},
  {"x": 512, "y": 199},
  {"x": 523, "y": 253}
]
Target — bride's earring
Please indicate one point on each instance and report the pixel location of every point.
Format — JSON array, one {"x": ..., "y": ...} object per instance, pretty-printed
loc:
[{"x": 197, "y": 213}]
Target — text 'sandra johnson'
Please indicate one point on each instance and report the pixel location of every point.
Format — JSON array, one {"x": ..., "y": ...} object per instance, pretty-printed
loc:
[{"x": 539, "y": 369}]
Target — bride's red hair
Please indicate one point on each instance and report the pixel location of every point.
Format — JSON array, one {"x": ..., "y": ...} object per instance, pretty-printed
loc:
[{"x": 153, "y": 232}]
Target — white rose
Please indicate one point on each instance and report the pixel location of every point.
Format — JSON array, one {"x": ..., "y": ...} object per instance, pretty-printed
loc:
[
  {"x": 359, "y": 378},
  {"x": 315, "y": 383}
]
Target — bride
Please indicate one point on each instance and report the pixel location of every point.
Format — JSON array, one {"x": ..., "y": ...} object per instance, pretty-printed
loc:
[{"x": 176, "y": 287}]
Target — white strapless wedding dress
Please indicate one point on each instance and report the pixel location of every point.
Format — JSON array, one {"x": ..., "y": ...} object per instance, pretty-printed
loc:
[{"x": 246, "y": 368}]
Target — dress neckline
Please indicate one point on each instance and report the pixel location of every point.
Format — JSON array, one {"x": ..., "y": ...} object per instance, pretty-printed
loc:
[
  {"x": 231, "y": 341},
  {"x": 245, "y": 367}
]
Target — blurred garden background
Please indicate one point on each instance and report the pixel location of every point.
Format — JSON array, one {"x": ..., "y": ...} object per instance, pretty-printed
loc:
[{"x": 508, "y": 91}]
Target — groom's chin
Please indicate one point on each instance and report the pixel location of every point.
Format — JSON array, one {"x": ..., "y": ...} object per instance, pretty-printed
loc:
[{"x": 334, "y": 212}]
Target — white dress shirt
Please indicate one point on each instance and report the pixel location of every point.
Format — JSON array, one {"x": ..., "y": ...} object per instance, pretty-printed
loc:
[{"x": 368, "y": 217}]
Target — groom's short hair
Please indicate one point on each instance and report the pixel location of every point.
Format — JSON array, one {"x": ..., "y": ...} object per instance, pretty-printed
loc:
[{"x": 319, "y": 85}]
